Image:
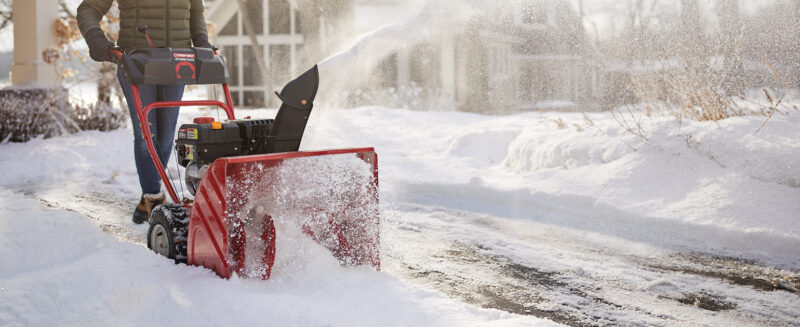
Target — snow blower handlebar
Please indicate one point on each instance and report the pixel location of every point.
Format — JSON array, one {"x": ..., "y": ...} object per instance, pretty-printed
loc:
[
  {"x": 143, "y": 116},
  {"x": 167, "y": 66}
]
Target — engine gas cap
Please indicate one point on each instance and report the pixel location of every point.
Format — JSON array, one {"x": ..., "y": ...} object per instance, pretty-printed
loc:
[{"x": 203, "y": 120}]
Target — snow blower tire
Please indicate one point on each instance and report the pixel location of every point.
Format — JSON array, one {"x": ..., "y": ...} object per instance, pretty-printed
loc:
[{"x": 167, "y": 235}]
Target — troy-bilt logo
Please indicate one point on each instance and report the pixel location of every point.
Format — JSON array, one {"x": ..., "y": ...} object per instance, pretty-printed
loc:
[
  {"x": 183, "y": 55},
  {"x": 185, "y": 65},
  {"x": 185, "y": 70}
]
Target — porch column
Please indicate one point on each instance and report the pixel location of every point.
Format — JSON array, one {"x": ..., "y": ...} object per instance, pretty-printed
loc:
[{"x": 33, "y": 33}]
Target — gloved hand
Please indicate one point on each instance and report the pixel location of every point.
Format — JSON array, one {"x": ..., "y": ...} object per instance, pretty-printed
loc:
[
  {"x": 202, "y": 42},
  {"x": 98, "y": 45}
]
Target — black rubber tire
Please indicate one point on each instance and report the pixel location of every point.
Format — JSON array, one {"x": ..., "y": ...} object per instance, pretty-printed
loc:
[{"x": 175, "y": 221}]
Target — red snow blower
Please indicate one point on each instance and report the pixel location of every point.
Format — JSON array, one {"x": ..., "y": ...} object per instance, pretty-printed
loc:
[{"x": 249, "y": 182}]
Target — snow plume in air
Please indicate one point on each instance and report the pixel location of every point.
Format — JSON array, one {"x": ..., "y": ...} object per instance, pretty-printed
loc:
[
  {"x": 329, "y": 201},
  {"x": 434, "y": 22}
]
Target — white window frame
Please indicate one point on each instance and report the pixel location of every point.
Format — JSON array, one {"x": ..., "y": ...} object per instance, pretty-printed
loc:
[
  {"x": 293, "y": 39},
  {"x": 550, "y": 12}
]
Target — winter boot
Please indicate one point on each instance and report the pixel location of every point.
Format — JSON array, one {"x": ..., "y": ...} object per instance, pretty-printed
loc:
[{"x": 146, "y": 205}]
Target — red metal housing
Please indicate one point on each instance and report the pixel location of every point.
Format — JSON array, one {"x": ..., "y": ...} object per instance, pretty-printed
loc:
[{"x": 214, "y": 241}]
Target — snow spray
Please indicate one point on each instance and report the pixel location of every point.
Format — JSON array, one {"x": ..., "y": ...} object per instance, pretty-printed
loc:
[{"x": 435, "y": 20}]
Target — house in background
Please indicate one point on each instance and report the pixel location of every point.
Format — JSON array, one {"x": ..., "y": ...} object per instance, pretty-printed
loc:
[
  {"x": 557, "y": 66},
  {"x": 290, "y": 34},
  {"x": 506, "y": 60}
]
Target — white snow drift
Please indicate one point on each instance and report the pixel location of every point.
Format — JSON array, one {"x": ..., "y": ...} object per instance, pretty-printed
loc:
[{"x": 718, "y": 189}]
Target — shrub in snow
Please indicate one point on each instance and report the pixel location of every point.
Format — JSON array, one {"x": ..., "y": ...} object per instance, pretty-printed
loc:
[
  {"x": 101, "y": 116},
  {"x": 29, "y": 112}
]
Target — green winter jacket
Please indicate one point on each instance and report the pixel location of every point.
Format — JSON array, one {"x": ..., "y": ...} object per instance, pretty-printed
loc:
[{"x": 170, "y": 23}]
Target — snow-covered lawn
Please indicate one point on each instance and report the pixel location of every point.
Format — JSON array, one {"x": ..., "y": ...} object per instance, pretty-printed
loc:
[{"x": 517, "y": 186}]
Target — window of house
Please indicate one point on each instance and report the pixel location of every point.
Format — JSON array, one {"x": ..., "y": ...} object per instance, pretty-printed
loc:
[
  {"x": 535, "y": 14},
  {"x": 254, "y": 99},
  {"x": 497, "y": 64},
  {"x": 280, "y": 61},
  {"x": 252, "y": 74},
  {"x": 525, "y": 89},
  {"x": 255, "y": 12},
  {"x": 425, "y": 63},
  {"x": 232, "y": 27},
  {"x": 388, "y": 72},
  {"x": 247, "y": 80},
  {"x": 231, "y": 60},
  {"x": 549, "y": 82},
  {"x": 298, "y": 23},
  {"x": 545, "y": 83},
  {"x": 279, "y": 17},
  {"x": 235, "y": 97}
]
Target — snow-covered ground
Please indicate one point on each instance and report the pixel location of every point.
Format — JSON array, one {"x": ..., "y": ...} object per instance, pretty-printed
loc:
[
  {"x": 516, "y": 220},
  {"x": 562, "y": 216},
  {"x": 59, "y": 270}
]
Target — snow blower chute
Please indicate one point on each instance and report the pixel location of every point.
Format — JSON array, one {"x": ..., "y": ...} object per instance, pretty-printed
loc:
[{"x": 248, "y": 178}]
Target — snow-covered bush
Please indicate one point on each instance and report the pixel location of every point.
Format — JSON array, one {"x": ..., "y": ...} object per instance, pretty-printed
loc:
[
  {"x": 29, "y": 112},
  {"x": 34, "y": 111},
  {"x": 100, "y": 116},
  {"x": 691, "y": 93}
]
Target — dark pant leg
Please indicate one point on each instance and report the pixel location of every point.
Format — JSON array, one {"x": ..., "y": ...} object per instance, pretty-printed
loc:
[
  {"x": 149, "y": 179},
  {"x": 167, "y": 118}
]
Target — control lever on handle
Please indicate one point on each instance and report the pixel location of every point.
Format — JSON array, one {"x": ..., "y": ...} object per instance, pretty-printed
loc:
[{"x": 143, "y": 29}]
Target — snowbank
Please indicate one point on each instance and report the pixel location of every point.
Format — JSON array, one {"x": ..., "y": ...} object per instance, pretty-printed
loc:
[
  {"x": 726, "y": 179},
  {"x": 719, "y": 188}
]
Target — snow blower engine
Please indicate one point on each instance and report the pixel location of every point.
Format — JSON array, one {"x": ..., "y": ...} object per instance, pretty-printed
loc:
[
  {"x": 249, "y": 182},
  {"x": 201, "y": 143}
]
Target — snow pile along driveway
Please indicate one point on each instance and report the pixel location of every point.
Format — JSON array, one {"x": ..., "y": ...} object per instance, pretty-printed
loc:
[
  {"x": 719, "y": 188},
  {"x": 729, "y": 189}
]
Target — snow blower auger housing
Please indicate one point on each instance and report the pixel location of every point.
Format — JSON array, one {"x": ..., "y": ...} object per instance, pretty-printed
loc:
[{"x": 249, "y": 181}]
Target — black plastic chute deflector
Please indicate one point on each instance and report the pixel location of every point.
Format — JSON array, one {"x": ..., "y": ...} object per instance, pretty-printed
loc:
[{"x": 290, "y": 122}]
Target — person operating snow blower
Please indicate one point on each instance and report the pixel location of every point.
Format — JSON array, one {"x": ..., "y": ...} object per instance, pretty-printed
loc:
[{"x": 174, "y": 23}]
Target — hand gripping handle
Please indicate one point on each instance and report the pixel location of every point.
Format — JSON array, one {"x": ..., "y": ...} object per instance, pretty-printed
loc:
[{"x": 116, "y": 54}]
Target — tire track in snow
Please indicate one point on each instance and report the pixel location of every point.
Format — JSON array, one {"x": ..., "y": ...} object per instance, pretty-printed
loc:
[
  {"x": 572, "y": 277},
  {"x": 110, "y": 213}
]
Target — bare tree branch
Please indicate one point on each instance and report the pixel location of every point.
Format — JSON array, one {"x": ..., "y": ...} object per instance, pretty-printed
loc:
[
  {"x": 6, "y": 13},
  {"x": 65, "y": 9},
  {"x": 5, "y": 18}
]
